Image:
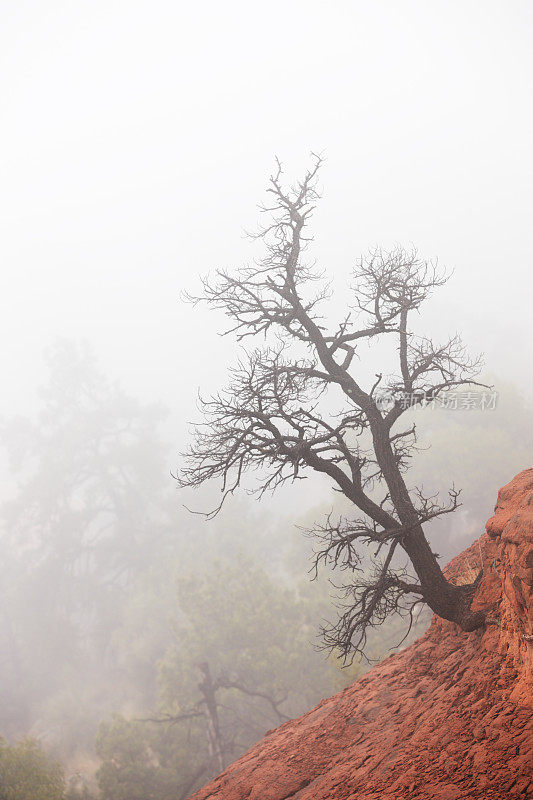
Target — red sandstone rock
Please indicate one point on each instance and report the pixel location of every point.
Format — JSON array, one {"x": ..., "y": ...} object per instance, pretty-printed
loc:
[{"x": 447, "y": 719}]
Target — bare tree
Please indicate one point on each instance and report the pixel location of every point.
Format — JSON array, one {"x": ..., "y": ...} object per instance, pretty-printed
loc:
[
  {"x": 276, "y": 415},
  {"x": 221, "y": 749}
]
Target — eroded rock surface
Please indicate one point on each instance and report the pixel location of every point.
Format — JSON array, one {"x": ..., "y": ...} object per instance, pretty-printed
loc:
[{"x": 447, "y": 718}]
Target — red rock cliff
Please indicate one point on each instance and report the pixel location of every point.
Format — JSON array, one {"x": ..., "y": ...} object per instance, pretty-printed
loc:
[{"x": 447, "y": 718}]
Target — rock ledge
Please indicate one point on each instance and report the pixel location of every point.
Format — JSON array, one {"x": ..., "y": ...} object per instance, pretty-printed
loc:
[{"x": 447, "y": 718}]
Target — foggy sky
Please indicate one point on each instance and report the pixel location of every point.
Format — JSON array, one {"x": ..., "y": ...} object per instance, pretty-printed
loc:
[{"x": 137, "y": 139}]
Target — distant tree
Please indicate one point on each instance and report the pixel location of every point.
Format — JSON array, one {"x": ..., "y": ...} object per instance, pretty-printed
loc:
[
  {"x": 130, "y": 768},
  {"x": 253, "y": 630},
  {"x": 298, "y": 403},
  {"x": 232, "y": 672},
  {"x": 26, "y": 773},
  {"x": 76, "y": 533}
]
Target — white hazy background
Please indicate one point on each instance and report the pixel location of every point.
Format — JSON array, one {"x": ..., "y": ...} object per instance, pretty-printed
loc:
[{"x": 137, "y": 139}]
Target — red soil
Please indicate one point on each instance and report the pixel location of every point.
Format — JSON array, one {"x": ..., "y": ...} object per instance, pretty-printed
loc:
[{"x": 447, "y": 718}]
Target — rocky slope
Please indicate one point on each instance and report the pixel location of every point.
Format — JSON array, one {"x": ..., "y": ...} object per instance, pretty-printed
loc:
[{"x": 447, "y": 718}]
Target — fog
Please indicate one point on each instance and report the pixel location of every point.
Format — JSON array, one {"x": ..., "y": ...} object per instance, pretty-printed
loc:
[{"x": 137, "y": 142}]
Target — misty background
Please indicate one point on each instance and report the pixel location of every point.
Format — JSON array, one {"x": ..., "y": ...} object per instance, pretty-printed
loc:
[{"x": 137, "y": 140}]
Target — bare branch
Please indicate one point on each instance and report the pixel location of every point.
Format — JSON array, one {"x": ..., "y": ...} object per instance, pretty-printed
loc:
[{"x": 224, "y": 682}]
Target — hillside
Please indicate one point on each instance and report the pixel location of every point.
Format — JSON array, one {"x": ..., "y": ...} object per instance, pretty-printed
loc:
[{"x": 447, "y": 718}]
